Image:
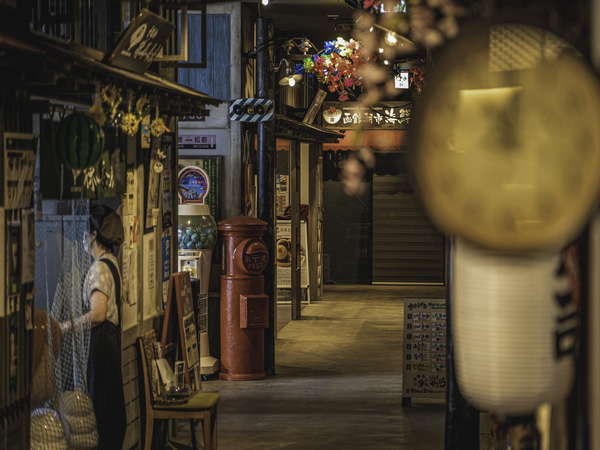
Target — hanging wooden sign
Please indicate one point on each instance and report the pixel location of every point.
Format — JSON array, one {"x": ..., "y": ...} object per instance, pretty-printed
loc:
[
  {"x": 315, "y": 106},
  {"x": 350, "y": 115},
  {"x": 141, "y": 42}
]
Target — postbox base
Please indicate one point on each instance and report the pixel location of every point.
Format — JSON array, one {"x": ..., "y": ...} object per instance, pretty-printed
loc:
[{"x": 242, "y": 376}]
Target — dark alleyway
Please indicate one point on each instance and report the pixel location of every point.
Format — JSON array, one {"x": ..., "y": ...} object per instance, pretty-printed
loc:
[{"x": 339, "y": 383}]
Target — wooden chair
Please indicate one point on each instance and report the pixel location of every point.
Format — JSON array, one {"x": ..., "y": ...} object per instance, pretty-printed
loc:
[{"x": 201, "y": 406}]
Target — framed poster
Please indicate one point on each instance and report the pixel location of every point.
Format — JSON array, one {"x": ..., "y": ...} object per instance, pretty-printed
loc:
[
  {"x": 18, "y": 167},
  {"x": 13, "y": 254},
  {"x": 199, "y": 181},
  {"x": 179, "y": 325},
  {"x": 282, "y": 194},
  {"x": 424, "y": 370},
  {"x": 149, "y": 275},
  {"x": 284, "y": 254}
]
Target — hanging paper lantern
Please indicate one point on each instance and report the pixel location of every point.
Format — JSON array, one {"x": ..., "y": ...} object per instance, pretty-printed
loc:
[
  {"x": 80, "y": 141},
  {"x": 512, "y": 329}
]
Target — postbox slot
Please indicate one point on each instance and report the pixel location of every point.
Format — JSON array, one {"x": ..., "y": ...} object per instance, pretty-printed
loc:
[{"x": 254, "y": 311}]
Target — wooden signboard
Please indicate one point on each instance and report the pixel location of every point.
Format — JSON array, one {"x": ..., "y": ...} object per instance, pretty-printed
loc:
[
  {"x": 141, "y": 43},
  {"x": 179, "y": 327},
  {"x": 351, "y": 115},
  {"x": 424, "y": 372}
]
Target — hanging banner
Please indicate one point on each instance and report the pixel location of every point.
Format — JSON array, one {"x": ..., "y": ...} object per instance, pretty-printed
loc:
[
  {"x": 129, "y": 309},
  {"x": 129, "y": 271},
  {"x": 149, "y": 275},
  {"x": 383, "y": 116}
]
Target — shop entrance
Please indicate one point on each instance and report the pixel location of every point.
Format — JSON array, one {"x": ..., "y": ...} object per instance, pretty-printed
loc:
[{"x": 382, "y": 235}]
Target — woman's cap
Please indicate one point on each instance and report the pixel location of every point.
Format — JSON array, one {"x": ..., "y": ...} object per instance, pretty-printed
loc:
[{"x": 108, "y": 224}]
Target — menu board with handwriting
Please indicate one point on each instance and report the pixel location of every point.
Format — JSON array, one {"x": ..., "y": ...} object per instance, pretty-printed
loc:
[{"x": 424, "y": 373}]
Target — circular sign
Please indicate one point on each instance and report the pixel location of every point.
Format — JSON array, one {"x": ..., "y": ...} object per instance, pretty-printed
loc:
[
  {"x": 251, "y": 256},
  {"x": 332, "y": 115},
  {"x": 194, "y": 185}
]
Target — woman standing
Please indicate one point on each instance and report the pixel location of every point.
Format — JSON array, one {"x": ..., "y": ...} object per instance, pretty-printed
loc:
[{"x": 102, "y": 297}]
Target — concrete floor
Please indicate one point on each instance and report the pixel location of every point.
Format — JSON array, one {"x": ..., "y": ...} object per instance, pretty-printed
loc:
[{"x": 338, "y": 383}]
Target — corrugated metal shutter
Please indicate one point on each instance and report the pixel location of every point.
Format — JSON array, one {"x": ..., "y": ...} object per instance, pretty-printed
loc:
[
  {"x": 214, "y": 80},
  {"x": 406, "y": 247}
]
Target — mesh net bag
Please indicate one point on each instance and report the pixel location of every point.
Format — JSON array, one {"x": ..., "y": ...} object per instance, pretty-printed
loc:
[{"x": 64, "y": 363}]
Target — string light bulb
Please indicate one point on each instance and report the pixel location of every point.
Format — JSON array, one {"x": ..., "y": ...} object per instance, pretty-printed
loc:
[
  {"x": 381, "y": 50},
  {"x": 391, "y": 38},
  {"x": 265, "y": 2},
  {"x": 386, "y": 62}
]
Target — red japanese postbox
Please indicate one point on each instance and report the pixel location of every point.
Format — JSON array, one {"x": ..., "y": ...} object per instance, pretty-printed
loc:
[{"x": 244, "y": 306}]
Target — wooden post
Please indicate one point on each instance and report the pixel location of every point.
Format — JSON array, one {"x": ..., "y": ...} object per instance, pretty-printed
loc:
[
  {"x": 313, "y": 221},
  {"x": 266, "y": 186},
  {"x": 296, "y": 293}
]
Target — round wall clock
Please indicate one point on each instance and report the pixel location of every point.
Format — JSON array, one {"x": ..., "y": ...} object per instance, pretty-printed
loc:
[{"x": 506, "y": 141}]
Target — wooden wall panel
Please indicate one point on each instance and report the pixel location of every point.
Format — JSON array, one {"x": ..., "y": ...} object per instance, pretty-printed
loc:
[{"x": 214, "y": 80}]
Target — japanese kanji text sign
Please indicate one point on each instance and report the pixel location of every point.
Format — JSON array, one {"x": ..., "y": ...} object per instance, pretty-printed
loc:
[
  {"x": 350, "y": 115},
  {"x": 425, "y": 326}
]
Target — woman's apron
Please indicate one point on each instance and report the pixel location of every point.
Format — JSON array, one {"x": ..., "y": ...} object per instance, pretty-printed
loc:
[{"x": 105, "y": 380}]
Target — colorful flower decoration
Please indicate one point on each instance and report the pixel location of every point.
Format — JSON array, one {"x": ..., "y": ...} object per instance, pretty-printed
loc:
[
  {"x": 336, "y": 66},
  {"x": 417, "y": 79},
  {"x": 375, "y": 6}
]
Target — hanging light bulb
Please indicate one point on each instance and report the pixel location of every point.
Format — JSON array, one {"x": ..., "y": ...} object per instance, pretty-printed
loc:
[
  {"x": 391, "y": 38},
  {"x": 289, "y": 78},
  {"x": 371, "y": 30},
  {"x": 265, "y": 2},
  {"x": 380, "y": 50},
  {"x": 386, "y": 62}
]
